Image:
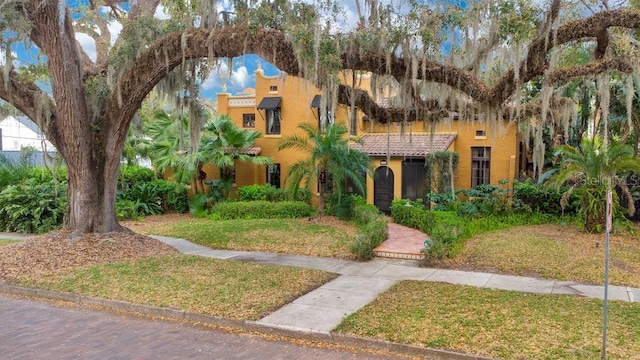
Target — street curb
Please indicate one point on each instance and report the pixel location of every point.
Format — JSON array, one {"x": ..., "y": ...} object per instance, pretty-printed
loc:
[{"x": 247, "y": 325}]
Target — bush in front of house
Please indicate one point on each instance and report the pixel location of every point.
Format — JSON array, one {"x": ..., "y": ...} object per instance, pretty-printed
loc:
[
  {"x": 372, "y": 229},
  {"x": 541, "y": 199},
  {"x": 260, "y": 210},
  {"x": 342, "y": 205},
  {"x": 33, "y": 206},
  {"x": 268, "y": 192},
  {"x": 151, "y": 198}
]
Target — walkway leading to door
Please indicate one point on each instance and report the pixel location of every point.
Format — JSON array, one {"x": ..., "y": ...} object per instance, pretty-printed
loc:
[{"x": 402, "y": 243}]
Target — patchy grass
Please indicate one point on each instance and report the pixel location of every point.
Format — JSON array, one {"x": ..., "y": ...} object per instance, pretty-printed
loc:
[
  {"x": 236, "y": 290},
  {"x": 7, "y": 241},
  {"x": 497, "y": 323},
  {"x": 322, "y": 236},
  {"x": 552, "y": 251}
]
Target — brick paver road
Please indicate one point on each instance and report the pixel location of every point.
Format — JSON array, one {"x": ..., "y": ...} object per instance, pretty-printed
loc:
[{"x": 39, "y": 330}]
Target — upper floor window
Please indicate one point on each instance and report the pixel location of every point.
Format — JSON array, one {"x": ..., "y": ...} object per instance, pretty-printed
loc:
[
  {"x": 249, "y": 120},
  {"x": 323, "y": 119},
  {"x": 273, "y": 121},
  {"x": 480, "y": 166},
  {"x": 271, "y": 105},
  {"x": 273, "y": 88}
]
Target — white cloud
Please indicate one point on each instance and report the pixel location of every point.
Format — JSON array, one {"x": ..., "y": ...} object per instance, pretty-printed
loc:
[
  {"x": 114, "y": 28},
  {"x": 238, "y": 79},
  {"x": 161, "y": 13},
  {"x": 87, "y": 44},
  {"x": 240, "y": 76}
]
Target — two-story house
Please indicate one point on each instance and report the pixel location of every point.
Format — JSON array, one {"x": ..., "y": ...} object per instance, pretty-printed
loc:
[{"x": 278, "y": 104}]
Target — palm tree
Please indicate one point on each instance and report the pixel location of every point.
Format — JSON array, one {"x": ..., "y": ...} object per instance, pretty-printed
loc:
[
  {"x": 330, "y": 163},
  {"x": 221, "y": 143},
  {"x": 587, "y": 169}
]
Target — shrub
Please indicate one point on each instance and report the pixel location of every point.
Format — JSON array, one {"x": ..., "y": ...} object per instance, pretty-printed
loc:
[
  {"x": 485, "y": 199},
  {"x": 261, "y": 210},
  {"x": 372, "y": 230},
  {"x": 412, "y": 214},
  {"x": 134, "y": 174},
  {"x": 174, "y": 196},
  {"x": 198, "y": 205},
  {"x": 268, "y": 192},
  {"x": 342, "y": 205},
  {"x": 32, "y": 206},
  {"x": 127, "y": 209},
  {"x": 537, "y": 198},
  {"x": 146, "y": 196}
]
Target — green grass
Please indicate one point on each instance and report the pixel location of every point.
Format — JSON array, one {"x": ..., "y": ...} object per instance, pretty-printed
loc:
[
  {"x": 497, "y": 323},
  {"x": 552, "y": 251},
  {"x": 7, "y": 241},
  {"x": 290, "y": 236},
  {"x": 236, "y": 290}
]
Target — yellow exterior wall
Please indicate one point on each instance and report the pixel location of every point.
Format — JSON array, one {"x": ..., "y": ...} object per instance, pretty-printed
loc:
[
  {"x": 297, "y": 95},
  {"x": 501, "y": 138}
]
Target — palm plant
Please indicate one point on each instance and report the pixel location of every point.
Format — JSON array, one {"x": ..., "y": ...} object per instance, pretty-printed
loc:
[
  {"x": 586, "y": 170},
  {"x": 330, "y": 163},
  {"x": 221, "y": 143}
]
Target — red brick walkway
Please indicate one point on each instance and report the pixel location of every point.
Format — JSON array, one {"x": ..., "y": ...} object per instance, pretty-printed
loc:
[{"x": 403, "y": 243}]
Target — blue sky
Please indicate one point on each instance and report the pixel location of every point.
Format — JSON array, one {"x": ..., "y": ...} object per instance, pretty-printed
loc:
[{"x": 240, "y": 78}]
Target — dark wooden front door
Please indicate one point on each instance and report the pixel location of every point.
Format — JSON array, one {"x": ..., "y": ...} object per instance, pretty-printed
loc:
[{"x": 383, "y": 188}]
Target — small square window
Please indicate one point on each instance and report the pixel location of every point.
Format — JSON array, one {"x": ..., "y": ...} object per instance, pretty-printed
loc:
[
  {"x": 249, "y": 120},
  {"x": 273, "y": 88},
  {"x": 481, "y": 133}
]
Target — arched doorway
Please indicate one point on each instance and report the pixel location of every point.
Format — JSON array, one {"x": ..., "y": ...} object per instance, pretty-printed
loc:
[{"x": 383, "y": 188}]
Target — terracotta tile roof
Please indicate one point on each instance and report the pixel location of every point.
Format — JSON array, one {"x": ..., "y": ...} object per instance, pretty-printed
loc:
[
  {"x": 253, "y": 151},
  {"x": 407, "y": 145}
]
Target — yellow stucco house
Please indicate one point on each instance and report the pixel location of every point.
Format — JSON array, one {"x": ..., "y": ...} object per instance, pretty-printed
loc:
[{"x": 278, "y": 104}]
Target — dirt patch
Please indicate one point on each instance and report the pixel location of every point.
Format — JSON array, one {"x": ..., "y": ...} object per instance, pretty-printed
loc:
[
  {"x": 331, "y": 221},
  {"x": 148, "y": 224},
  {"x": 61, "y": 250}
]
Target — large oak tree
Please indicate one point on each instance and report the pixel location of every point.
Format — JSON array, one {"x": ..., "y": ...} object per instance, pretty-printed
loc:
[{"x": 477, "y": 59}]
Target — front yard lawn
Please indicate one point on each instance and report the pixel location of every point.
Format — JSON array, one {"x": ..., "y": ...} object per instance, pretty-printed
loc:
[
  {"x": 321, "y": 236},
  {"x": 497, "y": 323},
  {"x": 551, "y": 251},
  {"x": 231, "y": 289}
]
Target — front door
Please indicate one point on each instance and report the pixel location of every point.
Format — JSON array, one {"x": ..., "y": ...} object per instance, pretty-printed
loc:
[{"x": 383, "y": 188}]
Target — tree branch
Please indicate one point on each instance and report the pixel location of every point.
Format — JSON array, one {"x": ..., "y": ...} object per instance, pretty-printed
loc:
[{"x": 26, "y": 97}]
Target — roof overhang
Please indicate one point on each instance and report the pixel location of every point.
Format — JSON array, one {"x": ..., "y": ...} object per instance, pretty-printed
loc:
[
  {"x": 252, "y": 151},
  {"x": 407, "y": 145}
]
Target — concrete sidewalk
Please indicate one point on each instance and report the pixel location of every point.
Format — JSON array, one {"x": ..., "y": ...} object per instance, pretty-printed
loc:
[{"x": 324, "y": 308}]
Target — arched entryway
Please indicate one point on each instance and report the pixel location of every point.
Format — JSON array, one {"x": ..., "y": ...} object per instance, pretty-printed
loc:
[{"x": 383, "y": 188}]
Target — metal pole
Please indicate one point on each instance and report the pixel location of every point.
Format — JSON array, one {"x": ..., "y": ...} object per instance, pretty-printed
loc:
[{"x": 606, "y": 271}]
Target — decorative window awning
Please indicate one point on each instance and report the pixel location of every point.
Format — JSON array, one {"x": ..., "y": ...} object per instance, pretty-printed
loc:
[
  {"x": 315, "y": 103},
  {"x": 269, "y": 103}
]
